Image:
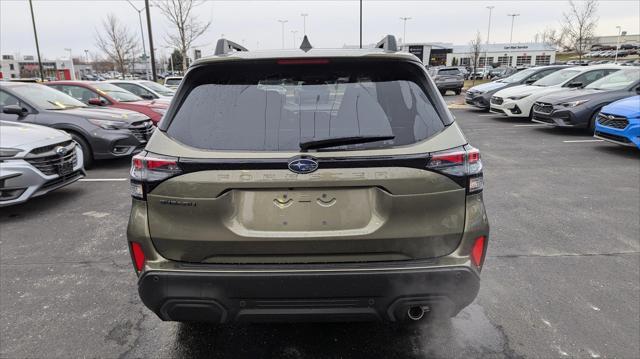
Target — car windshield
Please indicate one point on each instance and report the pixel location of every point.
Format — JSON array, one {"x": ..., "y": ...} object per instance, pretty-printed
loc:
[
  {"x": 159, "y": 88},
  {"x": 172, "y": 82},
  {"x": 46, "y": 98},
  {"x": 618, "y": 80},
  {"x": 277, "y": 107},
  {"x": 119, "y": 94},
  {"x": 556, "y": 78},
  {"x": 519, "y": 76}
]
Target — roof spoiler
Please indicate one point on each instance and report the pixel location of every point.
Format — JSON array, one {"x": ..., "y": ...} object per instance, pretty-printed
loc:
[
  {"x": 224, "y": 46},
  {"x": 388, "y": 44}
]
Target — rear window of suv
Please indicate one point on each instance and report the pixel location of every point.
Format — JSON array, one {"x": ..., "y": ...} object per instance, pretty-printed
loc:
[
  {"x": 276, "y": 105},
  {"x": 450, "y": 72}
]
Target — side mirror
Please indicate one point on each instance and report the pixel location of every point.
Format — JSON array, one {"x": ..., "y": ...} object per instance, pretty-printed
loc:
[
  {"x": 15, "y": 110},
  {"x": 147, "y": 97},
  {"x": 96, "y": 102},
  {"x": 575, "y": 85}
]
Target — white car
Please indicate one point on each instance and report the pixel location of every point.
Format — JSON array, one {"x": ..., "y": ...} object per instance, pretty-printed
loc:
[
  {"x": 517, "y": 101},
  {"x": 148, "y": 90},
  {"x": 172, "y": 82}
]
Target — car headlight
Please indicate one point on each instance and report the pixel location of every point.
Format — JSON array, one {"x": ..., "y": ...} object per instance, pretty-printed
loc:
[
  {"x": 573, "y": 103},
  {"x": 107, "y": 124},
  {"x": 9, "y": 152},
  {"x": 161, "y": 111},
  {"x": 519, "y": 97}
]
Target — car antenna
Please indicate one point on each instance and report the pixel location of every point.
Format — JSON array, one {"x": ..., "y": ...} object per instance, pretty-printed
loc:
[
  {"x": 225, "y": 47},
  {"x": 306, "y": 45}
]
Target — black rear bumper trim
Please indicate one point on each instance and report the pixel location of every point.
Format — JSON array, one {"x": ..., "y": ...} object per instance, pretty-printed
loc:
[{"x": 374, "y": 295}]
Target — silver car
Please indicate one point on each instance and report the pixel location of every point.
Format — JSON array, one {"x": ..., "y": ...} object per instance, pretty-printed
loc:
[{"x": 35, "y": 160}]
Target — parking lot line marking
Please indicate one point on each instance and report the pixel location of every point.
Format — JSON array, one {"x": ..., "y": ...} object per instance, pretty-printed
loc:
[
  {"x": 488, "y": 115},
  {"x": 530, "y": 125},
  {"x": 581, "y": 141},
  {"x": 103, "y": 179}
]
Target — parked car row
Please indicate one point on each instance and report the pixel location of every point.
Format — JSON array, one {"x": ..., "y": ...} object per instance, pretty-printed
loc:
[
  {"x": 87, "y": 120},
  {"x": 566, "y": 96}
]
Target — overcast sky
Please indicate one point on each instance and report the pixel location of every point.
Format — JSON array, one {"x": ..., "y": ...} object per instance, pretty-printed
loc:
[{"x": 73, "y": 24}]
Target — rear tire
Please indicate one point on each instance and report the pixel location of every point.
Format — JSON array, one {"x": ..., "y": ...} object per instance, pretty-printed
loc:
[
  {"x": 458, "y": 91},
  {"x": 87, "y": 154},
  {"x": 443, "y": 92}
]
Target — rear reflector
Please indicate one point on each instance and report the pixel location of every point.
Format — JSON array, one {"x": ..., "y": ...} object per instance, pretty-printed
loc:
[
  {"x": 303, "y": 62},
  {"x": 477, "y": 252},
  {"x": 138, "y": 256}
]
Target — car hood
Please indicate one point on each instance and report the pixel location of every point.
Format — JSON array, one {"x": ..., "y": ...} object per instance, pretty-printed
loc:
[
  {"x": 104, "y": 113},
  {"x": 572, "y": 95},
  {"x": 491, "y": 86},
  {"x": 150, "y": 103},
  {"x": 528, "y": 89},
  {"x": 628, "y": 107},
  {"x": 27, "y": 136}
]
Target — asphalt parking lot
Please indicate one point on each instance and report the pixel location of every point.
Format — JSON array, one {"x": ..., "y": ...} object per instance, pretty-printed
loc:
[{"x": 561, "y": 278}]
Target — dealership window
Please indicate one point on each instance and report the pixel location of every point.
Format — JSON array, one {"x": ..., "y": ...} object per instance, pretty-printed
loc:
[
  {"x": 11, "y": 67},
  {"x": 543, "y": 59},
  {"x": 504, "y": 60},
  {"x": 481, "y": 61},
  {"x": 523, "y": 60},
  {"x": 465, "y": 61}
]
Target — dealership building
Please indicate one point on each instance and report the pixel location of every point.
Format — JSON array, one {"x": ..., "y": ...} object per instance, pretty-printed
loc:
[
  {"x": 516, "y": 54},
  {"x": 13, "y": 67}
]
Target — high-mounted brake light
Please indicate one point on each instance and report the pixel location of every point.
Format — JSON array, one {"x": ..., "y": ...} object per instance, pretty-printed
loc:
[
  {"x": 148, "y": 170},
  {"x": 477, "y": 252},
  {"x": 138, "y": 255},
  {"x": 462, "y": 164},
  {"x": 303, "y": 61}
]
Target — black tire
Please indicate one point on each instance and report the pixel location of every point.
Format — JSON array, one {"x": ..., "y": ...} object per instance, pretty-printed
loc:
[
  {"x": 458, "y": 91},
  {"x": 87, "y": 154},
  {"x": 592, "y": 122},
  {"x": 443, "y": 92}
]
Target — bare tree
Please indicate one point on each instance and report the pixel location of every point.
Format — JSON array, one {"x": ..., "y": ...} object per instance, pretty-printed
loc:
[
  {"x": 187, "y": 27},
  {"x": 580, "y": 24},
  {"x": 117, "y": 42},
  {"x": 475, "y": 48}
]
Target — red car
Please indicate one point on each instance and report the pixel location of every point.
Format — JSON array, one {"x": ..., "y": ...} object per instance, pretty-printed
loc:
[{"x": 105, "y": 94}]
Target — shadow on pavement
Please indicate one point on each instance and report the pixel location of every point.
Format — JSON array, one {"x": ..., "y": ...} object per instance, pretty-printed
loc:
[
  {"x": 566, "y": 131},
  {"x": 618, "y": 150},
  {"x": 40, "y": 205},
  {"x": 470, "y": 334}
]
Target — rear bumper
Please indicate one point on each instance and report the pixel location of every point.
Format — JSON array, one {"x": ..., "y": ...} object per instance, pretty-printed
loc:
[
  {"x": 317, "y": 293},
  {"x": 450, "y": 85}
]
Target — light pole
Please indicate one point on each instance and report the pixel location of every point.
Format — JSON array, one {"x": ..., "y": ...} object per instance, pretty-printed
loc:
[
  {"x": 488, "y": 33},
  {"x": 35, "y": 34},
  {"x": 282, "y": 22},
  {"x": 618, "y": 43},
  {"x": 293, "y": 34},
  {"x": 513, "y": 17},
  {"x": 404, "y": 33},
  {"x": 144, "y": 47},
  {"x": 304, "y": 23},
  {"x": 73, "y": 70}
]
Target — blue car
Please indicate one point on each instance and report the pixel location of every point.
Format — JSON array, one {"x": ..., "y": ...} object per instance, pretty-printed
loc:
[{"x": 619, "y": 122}]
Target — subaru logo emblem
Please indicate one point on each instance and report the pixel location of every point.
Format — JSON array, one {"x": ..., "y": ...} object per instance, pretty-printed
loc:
[
  {"x": 303, "y": 165},
  {"x": 60, "y": 151}
]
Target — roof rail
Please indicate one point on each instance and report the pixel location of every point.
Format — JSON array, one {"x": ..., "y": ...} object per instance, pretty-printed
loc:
[
  {"x": 388, "y": 44},
  {"x": 224, "y": 46}
]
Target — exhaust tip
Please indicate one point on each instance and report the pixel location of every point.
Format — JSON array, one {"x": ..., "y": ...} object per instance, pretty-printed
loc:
[{"x": 416, "y": 313}]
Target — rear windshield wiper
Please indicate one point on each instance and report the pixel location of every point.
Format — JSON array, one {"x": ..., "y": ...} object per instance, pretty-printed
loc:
[{"x": 341, "y": 141}]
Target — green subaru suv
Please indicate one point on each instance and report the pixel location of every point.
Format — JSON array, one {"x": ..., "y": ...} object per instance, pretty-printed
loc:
[{"x": 307, "y": 185}]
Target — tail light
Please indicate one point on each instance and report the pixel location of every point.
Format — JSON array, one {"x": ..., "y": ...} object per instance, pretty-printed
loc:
[
  {"x": 462, "y": 164},
  {"x": 137, "y": 254},
  {"x": 477, "y": 252},
  {"x": 148, "y": 170}
]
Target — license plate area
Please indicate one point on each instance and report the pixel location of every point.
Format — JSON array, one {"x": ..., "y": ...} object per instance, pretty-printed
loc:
[
  {"x": 289, "y": 210},
  {"x": 65, "y": 168}
]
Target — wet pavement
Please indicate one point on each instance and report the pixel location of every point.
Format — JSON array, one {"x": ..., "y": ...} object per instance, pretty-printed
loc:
[{"x": 560, "y": 281}]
